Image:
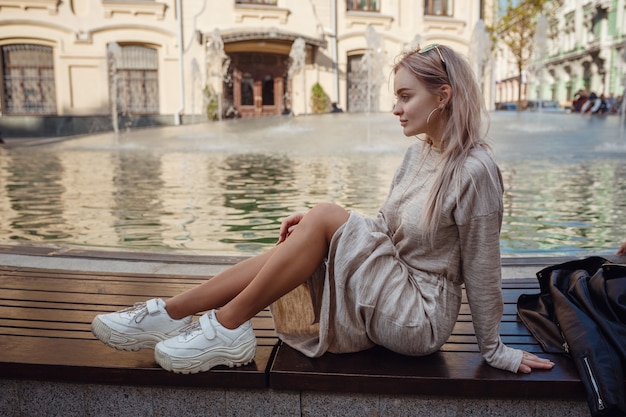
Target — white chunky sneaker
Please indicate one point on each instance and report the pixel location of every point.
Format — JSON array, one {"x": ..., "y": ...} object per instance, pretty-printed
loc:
[
  {"x": 206, "y": 344},
  {"x": 138, "y": 327}
]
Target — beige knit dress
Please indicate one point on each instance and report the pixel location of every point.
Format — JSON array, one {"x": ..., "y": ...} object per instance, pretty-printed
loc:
[{"x": 381, "y": 284}]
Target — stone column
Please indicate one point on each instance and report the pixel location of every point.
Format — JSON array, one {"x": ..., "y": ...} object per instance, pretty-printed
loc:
[
  {"x": 258, "y": 98},
  {"x": 237, "y": 90}
]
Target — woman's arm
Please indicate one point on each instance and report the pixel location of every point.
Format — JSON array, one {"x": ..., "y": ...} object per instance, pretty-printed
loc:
[
  {"x": 481, "y": 271},
  {"x": 479, "y": 218}
]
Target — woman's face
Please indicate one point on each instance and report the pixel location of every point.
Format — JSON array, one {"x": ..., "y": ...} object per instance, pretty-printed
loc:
[{"x": 413, "y": 105}]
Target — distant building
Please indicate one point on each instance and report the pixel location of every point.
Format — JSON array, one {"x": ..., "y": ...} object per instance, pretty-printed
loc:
[
  {"x": 70, "y": 64},
  {"x": 586, "y": 49}
]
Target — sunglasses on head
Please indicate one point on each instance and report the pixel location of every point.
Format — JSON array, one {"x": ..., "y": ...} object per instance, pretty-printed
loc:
[{"x": 436, "y": 48}]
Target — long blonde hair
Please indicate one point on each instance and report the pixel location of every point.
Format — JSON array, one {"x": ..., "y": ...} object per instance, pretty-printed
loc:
[{"x": 462, "y": 120}]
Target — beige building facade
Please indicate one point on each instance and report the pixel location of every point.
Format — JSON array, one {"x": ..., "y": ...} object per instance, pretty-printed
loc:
[
  {"x": 585, "y": 50},
  {"x": 172, "y": 61}
]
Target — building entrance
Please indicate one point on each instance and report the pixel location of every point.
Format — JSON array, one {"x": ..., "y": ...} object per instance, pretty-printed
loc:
[{"x": 257, "y": 84}]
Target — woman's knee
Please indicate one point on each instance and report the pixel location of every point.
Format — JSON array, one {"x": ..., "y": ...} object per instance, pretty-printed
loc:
[
  {"x": 330, "y": 211},
  {"x": 328, "y": 215}
]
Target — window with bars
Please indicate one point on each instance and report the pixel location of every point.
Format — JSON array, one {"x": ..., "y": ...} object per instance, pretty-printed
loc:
[
  {"x": 137, "y": 80},
  {"x": 439, "y": 7},
  {"x": 28, "y": 80},
  {"x": 364, "y": 5}
]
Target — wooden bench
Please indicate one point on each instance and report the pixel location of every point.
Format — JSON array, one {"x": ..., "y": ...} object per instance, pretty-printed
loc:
[
  {"x": 45, "y": 318},
  {"x": 456, "y": 370},
  {"x": 45, "y": 332}
]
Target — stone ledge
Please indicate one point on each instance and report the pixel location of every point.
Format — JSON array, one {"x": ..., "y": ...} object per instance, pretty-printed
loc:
[{"x": 31, "y": 397}]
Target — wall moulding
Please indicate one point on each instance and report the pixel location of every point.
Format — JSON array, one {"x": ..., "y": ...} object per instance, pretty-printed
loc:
[
  {"x": 52, "y": 6},
  {"x": 247, "y": 11},
  {"x": 355, "y": 18},
  {"x": 134, "y": 8}
]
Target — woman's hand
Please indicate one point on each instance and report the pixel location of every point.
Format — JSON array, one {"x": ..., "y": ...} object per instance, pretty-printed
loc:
[
  {"x": 287, "y": 226},
  {"x": 530, "y": 362}
]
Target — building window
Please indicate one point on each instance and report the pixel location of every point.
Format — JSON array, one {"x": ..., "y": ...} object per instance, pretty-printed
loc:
[
  {"x": 247, "y": 90},
  {"x": 268, "y": 90},
  {"x": 137, "y": 80},
  {"x": 28, "y": 79},
  {"x": 364, "y": 5},
  {"x": 265, "y": 2},
  {"x": 363, "y": 84},
  {"x": 438, "y": 7}
]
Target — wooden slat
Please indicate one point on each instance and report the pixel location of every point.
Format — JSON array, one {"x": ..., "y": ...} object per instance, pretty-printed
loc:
[
  {"x": 453, "y": 373},
  {"x": 89, "y": 361}
]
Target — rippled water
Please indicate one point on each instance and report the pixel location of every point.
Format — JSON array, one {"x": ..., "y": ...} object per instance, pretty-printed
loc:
[{"x": 222, "y": 188}]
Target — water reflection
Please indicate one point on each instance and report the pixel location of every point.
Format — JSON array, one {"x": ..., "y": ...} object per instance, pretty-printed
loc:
[
  {"x": 38, "y": 215},
  {"x": 256, "y": 189},
  {"x": 137, "y": 199},
  {"x": 224, "y": 187},
  {"x": 564, "y": 207},
  {"x": 565, "y": 183}
]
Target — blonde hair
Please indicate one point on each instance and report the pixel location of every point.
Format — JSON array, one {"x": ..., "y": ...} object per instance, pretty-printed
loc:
[{"x": 462, "y": 120}]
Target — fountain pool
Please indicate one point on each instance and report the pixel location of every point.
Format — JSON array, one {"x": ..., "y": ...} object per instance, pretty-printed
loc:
[{"x": 223, "y": 187}]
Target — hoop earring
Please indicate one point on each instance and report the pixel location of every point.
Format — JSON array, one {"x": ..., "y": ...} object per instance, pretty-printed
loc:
[{"x": 430, "y": 114}]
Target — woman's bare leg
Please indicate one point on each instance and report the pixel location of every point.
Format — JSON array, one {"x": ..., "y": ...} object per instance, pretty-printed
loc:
[
  {"x": 218, "y": 290},
  {"x": 305, "y": 250},
  {"x": 289, "y": 264}
]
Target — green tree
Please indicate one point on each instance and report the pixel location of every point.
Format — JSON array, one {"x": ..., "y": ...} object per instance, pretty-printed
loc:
[
  {"x": 319, "y": 99},
  {"x": 211, "y": 100},
  {"x": 516, "y": 27}
]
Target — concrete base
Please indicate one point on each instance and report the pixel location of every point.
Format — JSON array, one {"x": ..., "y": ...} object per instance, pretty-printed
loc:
[
  {"x": 63, "y": 126},
  {"x": 39, "y": 398}
]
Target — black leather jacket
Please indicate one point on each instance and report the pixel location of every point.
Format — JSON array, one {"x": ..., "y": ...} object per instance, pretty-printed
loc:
[{"x": 581, "y": 311}]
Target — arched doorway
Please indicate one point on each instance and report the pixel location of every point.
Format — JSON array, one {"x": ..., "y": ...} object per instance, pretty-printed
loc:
[
  {"x": 258, "y": 73},
  {"x": 258, "y": 83}
]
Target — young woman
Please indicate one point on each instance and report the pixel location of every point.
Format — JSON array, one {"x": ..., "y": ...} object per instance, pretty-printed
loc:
[{"x": 340, "y": 282}]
